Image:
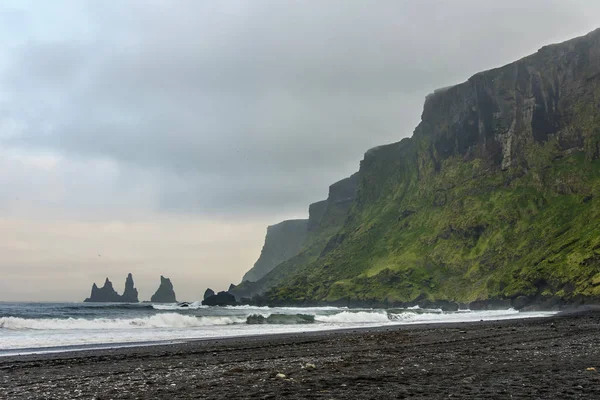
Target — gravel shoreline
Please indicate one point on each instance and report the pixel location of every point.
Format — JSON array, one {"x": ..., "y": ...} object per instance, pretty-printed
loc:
[{"x": 549, "y": 358}]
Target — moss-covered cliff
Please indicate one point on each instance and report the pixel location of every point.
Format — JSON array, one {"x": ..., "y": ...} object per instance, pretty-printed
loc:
[{"x": 496, "y": 195}]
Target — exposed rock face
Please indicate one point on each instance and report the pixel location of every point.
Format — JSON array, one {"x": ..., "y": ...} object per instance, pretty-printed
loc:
[
  {"x": 207, "y": 293},
  {"x": 283, "y": 241},
  {"x": 220, "y": 299},
  {"x": 497, "y": 114},
  {"x": 325, "y": 219},
  {"x": 491, "y": 198},
  {"x": 130, "y": 294},
  {"x": 343, "y": 192},
  {"x": 165, "y": 292},
  {"x": 105, "y": 294},
  {"x": 316, "y": 212}
]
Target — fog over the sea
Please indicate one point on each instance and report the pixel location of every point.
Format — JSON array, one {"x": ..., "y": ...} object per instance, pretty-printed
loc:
[{"x": 162, "y": 137}]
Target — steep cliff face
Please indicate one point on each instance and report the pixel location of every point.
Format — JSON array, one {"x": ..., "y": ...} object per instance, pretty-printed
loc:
[
  {"x": 165, "y": 292},
  {"x": 105, "y": 294},
  {"x": 492, "y": 197},
  {"x": 316, "y": 211},
  {"x": 283, "y": 241},
  {"x": 325, "y": 219}
]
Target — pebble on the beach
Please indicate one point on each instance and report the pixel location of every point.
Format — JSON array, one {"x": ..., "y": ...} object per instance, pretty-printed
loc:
[{"x": 280, "y": 376}]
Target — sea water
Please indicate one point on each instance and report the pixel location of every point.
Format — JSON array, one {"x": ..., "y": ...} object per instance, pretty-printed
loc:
[{"x": 49, "y": 327}]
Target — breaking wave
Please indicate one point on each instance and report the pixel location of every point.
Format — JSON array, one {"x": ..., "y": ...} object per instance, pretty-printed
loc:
[
  {"x": 179, "y": 307},
  {"x": 177, "y": 320},
  {"x": 166, "y": 320},
  {"x": 361, "y": 317}
]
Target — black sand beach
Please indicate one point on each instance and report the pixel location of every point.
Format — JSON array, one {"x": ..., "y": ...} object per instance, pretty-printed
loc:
[{"x": 553, "y": 358}]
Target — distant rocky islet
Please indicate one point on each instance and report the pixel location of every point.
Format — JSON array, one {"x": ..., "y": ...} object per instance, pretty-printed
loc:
[
  {"x": 164, "y": 294},
  {"x": 107, "y": 294}
]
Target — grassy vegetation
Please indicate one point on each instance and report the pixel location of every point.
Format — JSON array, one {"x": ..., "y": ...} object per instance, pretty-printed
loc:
[{"x": 466, "y": 234}]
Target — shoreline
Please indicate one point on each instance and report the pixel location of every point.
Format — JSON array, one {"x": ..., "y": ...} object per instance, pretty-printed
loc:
[
  {"x": 545, "y": 358},
  {"x": 94, "y": 347}
]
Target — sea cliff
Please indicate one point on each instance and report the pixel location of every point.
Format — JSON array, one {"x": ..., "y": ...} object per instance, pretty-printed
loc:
[{"x": 493, "y": 198}]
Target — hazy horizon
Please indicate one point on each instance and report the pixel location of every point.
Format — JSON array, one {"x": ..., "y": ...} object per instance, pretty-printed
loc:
[{"x": 163, "y": 138}]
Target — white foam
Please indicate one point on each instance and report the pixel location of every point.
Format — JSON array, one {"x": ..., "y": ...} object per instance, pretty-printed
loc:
[
  {"x": 196, "y": 305},
  {"x": 31, "y": 333},
  {"x": 463, "y": 316},
  {"x": 360, "y": 317},
  {"x": 166, "y": 320},
  {"x": 295, "y": 310}
]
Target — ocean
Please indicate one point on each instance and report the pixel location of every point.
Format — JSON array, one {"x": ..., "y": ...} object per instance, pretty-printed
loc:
[{"x": 27, "y": 328}]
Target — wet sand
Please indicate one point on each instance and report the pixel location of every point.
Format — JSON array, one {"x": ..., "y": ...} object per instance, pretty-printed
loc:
[{"x": 542, "y": 358}]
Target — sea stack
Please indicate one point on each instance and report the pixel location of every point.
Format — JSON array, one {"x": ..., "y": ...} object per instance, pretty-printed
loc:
[
  {"x": 207, "y": 293},
  {"x": 165, "y": 292},
  {"x": 220, "y": 299},
  {"x": 130, "y": 295},
  {"x": 105, "y": 294}
]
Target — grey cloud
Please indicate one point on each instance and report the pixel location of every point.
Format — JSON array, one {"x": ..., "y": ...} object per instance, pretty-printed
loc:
[{"x": 256, "y": 107}]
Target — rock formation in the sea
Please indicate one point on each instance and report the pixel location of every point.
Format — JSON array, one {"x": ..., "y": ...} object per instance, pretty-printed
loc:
[
  {"x": 130, "y": 294},
  {"x": 283, "y": 241},
  {"x": 165, "y": 292},
  {"x": 105, "y": 294},
  {"x": 220, "y": 299},
  {"x": 207, "y": 293},
  {"x": 493, "y": 198}
]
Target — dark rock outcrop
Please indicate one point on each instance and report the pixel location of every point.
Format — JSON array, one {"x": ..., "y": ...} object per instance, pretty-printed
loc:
[
  {"x": 343, "y": 192},
  {"x": 220, "y": 299},
  {"x": 130, "y": 294},
  {"x": 325, "y": 218},
  {"x": 283, "y": 241},
  {"x": 493, "y": 304},
  {"x": 207, "y": 293},
  {"x": 316, "y": 211},
  {"x": 105, "y": 294},
  {"x": 165, "y": 292}
]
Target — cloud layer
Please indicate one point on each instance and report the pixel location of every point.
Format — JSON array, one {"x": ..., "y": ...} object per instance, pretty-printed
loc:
[{"x": 240, "y": 111}]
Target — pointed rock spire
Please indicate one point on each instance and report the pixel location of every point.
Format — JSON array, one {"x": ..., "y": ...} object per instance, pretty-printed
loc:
[
  {"x": 107, "y": 294},
  {"x": 130, "y": 294},
  {"x": 165, "y": 292}
]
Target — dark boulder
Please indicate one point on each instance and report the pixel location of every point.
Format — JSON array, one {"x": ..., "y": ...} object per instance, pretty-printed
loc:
[
  {"x": 207, "y": 293},
  {"x": 443, "y": 305},
  {"x": 521, "y": 301},
  {"x": 220, "y": 299},
  {"x": 490, "y": 304},
  {"x": 165, "y": 292}
]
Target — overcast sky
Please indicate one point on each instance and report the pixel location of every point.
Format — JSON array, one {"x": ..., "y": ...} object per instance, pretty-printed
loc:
[{"x": 162, "y": 137}]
